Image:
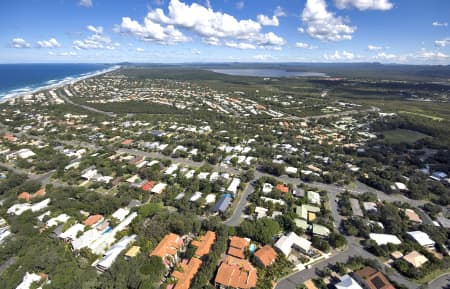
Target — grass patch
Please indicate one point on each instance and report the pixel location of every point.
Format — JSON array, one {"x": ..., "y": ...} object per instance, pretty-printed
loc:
[
  {"x": 403, "y": 136},
  {"x": 423, "y": 115}
]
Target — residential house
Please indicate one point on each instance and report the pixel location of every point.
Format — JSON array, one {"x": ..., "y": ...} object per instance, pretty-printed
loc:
[
  {"x": 320, "y": 230},
  {"x": 347, "y": 282},
  {"x": 371, "y": 278},
  {"x": 147, "y": 186},
  {"x": 238, "y": 246},
  {"x": 307, "y": 212},
  {"x": 415, "y": 259},
  {"x": 282, "y": 188},
  {"x": 132, "y": 252},
  {"x": 384, "y": 239},
  {"x": 204, "y": 244},
  {"x": 159, "y": 188},
  {"x": 236, "y": 273},
  {"x": 186, "y": 274},
  {"x": 111, "y": 255},
  {"x": 223, "y": 203},
  {"x": 93, "y": 220},
  {"x": 233, "y": 187},
  {"x": 266, "y": 256},
  {"x": 292, "y": 240},
  {"x": 313, "y": 197},
  {"x": 413, "y": 216},
  {"x": 422, "y": 239},
  {"x": 168, "y": 248}
]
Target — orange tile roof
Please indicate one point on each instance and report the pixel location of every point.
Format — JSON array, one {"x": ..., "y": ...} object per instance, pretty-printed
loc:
[
  {"x": 24, "y": 196},
  {"x": 9, "y": 137},
  {"x": 266, "y": 255},
  {"x": 92, "y": 220},
  {"x": 127, "y": 142},
  {"x": 374, "y": 279},
  {"x": 236, "y": 273},
  {"x": 310, "y": 284},
  {"x": 169, "y": 245},
  {"x": 282, "y": 188},
  {"x": 237, "y": 247},
  {"x": 147, "y": 186},
  {"x": 204, "y": 244},
  {"x": 187, "y": 273},
  {"x": 39, "y": 193}
]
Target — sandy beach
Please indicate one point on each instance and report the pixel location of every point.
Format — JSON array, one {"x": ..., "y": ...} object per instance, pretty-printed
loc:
[{"x": 64, "y": 82}]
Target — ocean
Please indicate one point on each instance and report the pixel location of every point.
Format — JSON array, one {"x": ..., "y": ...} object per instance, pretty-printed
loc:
[{"x": 16, "y": 79}]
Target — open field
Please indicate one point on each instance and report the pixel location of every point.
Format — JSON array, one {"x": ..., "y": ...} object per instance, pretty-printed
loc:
[{"x": 403, "y": 136}]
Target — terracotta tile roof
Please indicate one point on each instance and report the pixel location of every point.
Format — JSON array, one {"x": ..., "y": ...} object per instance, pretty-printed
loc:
[
  {"x": 127, "y": 142},
  {"x": 188, "y": 272},
  {"x": 238, "y": 246},
  {"x": 415, "y": 258},
  {"x": 310, "y": 284},
  {"x": 147, "y": 186},
  {"x": 9, "y": 137},
  {"x": 39, "y": 193},
  {"x": 282, "y": 188},
  {"x": 266, "y": 255},
  {"x": 204, "y": 244},
  {"x": 24, "y": 196},
  {"x": 374, "y": 279},
  {"x": 92, "y": 220},
  {"x": 236, "y": 273},
  {"x": 169, "y": 245},
  {"x": 413, "y": 216}
]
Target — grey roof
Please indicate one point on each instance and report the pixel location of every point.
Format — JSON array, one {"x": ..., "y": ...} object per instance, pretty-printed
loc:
[{"x": 222, "y": 204}]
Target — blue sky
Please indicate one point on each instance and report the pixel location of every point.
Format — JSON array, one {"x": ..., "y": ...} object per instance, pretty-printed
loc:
[{"x": 388, "y": 31}]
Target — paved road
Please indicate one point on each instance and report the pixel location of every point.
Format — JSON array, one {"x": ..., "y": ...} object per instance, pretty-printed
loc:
[
  {"x": 235, "y": 219},
  {"x": 442, "y": 282}
]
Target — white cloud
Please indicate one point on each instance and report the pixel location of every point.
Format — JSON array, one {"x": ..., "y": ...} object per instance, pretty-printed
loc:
[
  {"x": 267, "y": 21},
  {"x": 213, "y": 27},
  {"x": 324, "y": 25},
  {"x": 439, "y": 24},
  {"x": 263, "y": 57},
  {"x": 140, "y": 49},
  {"x": 443, "y": 42},
  {"x": 279, "y": 12},
  {"x": 364, "y": 4},
  {"x": 374, "y": 48},
  {"x": 71, "y": 53},
  {"x": 240, "y": 5},
  {"x": 20, "y": 43},
  {"x": 431, "y": 55},
  {"x": 304, "y": 45},
  {"x": 385, "y": 56},
  {"x": 240, "y": 45},
  {"x": 52, "y": 43},
  {"x": 95, "y": 41},
  {"x": 340, "y": 56},
  {"x": 195, "y": 51},
  {"x": 96, "y": 30},
  {"x": 151, "y": 31},
  {"x": 85, "y": 3}
]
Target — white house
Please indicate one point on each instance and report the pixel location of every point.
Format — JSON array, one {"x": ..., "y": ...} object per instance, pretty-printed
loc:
[
  {"x": 28, "y": 280},
  {"x": 347, "y": 282},
  {"x": 384, "y": 239},
  {"x": 159, "y": 188},
  {"x": 421, "y": 238},
  {"x": 234, "y": 185},
  {"x": 292, "y": 240},
  {"x": 111, "y": 255}
]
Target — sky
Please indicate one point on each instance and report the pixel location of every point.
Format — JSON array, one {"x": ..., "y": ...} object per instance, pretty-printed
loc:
[{"x": 177, "y": 31}]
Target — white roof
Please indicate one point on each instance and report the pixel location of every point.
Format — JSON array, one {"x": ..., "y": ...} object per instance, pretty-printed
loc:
[
  {"x": 195, "y": 197},
  {"x": 87, "y": 238},
  {"x": 121, "y": 213},
  {"x": 347, "y": 282},
  {"x": 18, "y": 209},
  {"x": 234, "y": 185},
  {"x": 159, "y": 188},
  {"x": 28, "y": 279},
  {"x": 267, "y": 188},
  {"x": 421, "y": 238},
  {"x": 39, "y": 206},
  {"x": 313, "y": 197},
  {"x": 112, "y": 254},
  {"x": 211, "y": 198},
  {"x": 383, "y": 239},
  {"x": 401, "y": 186},
  {"x": 25, "y": 153},
  {"x": 291, "y": 170},
  {"x": 57, "y": 220},
  {"x": 72, "y": 232},
  {"x": 203, "y": 175},
  {"x": 285, "y": 243}
]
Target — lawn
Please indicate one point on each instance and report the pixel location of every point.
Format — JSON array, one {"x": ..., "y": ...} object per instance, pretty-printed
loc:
[{"x": 402, "y": 136}]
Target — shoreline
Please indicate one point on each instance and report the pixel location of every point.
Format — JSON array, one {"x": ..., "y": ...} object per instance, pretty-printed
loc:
[{"x": 61, "y": 83}]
